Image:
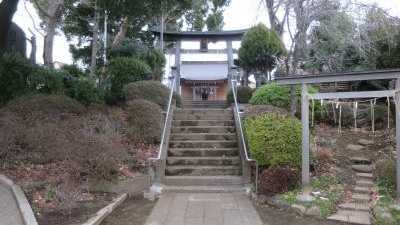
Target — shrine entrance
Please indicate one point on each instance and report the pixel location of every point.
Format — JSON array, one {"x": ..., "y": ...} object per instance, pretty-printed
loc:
[{"x": 202, "y": 80}]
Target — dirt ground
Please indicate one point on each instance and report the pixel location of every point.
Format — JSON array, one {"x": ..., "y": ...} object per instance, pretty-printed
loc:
[
  {"x": 271, "y": 216},
  {"x": 134, "y": 211}
]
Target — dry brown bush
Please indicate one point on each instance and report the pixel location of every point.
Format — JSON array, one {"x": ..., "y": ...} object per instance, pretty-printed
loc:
[
  {"x": 278, "y": 179},
  {"x": 42, "y": 129},
  {"x": 145, "y": 121}
]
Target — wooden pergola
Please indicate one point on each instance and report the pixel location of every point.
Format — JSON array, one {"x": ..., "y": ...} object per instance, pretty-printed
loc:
[{"x": 327, "y": 78}]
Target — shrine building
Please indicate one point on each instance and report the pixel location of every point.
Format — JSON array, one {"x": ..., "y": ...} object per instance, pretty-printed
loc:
[{"x": 204, "y": 80}]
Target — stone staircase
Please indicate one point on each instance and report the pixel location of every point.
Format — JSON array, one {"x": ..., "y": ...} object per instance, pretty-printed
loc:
[
  {"x": 357, "y": 209},
  {"x": 188, "y": 104},
  {"x": 203, "y": 152}
]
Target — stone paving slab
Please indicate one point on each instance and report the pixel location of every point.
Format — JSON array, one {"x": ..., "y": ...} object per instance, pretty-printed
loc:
[
  {"x": 203, "y": 209},
  {"x": 9, "y": 211},
  {"x": 350, "y": 216},
  {"x": 354, "y": 206}
]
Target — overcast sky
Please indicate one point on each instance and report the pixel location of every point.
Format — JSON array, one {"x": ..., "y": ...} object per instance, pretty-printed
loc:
[{"x": 241, "y": 14}]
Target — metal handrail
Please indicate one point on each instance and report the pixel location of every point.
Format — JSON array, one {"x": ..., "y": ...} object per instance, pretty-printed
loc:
[
  {"x": 248, "y": 159},
  {"x": 165, "y": 124},
  {"x": 234, "y": 85}
]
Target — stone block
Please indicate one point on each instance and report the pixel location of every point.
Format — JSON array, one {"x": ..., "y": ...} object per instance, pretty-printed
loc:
[
  {"x": 363, "y": 168},
  {"x": 359, "y": 160},
  {"x": 298, "y": 209},
  {"x": 365, "y": 142},
  {"x": 313, "y": 211},
  {"x": 352, "y": 147}
]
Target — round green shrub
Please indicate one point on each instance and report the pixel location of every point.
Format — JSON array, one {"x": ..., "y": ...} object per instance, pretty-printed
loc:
[
  {"x": 86, "y": 91},
  {"x": 48, "y": 80},
  {"x": 279, "y": 95},
  {"x": 14, "y": 73},
  {"x": 153, "y": 91},
  {"x": 146, "y": 121},
  {"x": 243, "y": 95},
  {"x": 123, "y": 71},
  {"x": 274, "y": 139}
]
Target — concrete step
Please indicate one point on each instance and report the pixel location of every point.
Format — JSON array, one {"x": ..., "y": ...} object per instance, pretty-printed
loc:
[
  {"x": 203, "y": 116},
  {"x": 205, "y": 104},
  {"x": 232, "y": 160},
  {"x": 194, "y": 170},
  {"x": 362, "y": 190},
  {"x": 354, "y": 206},
  {"x": 203, "y": 129},
  {"x": 365, "y": 176},
  {"x": 193, "y": 152},
  {"x": 364, "y": 183},
  {"x": 204, "y": 144},
  {"x": 203, "y": 123},
  {"x": 240, "y": 189},
  {"x": 203, "y": 180},
  {"x": 204, "y": 137},
  {"x": 203, "y": 111},
  {"x": 364, "y": 198}
]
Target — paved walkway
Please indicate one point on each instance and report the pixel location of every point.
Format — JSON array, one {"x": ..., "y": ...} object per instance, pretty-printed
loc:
[
  {"x": 204, "y": 209},
  {"x": 9, "y": 211}
]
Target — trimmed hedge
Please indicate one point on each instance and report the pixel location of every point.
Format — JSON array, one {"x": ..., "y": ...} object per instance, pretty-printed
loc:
[
  {"x": 123, "y": 71},
  {"x": 274, "y": 139},
  {"x": 279, "y": 95},
  {"x": 86, "y": 92},
  {"x": 146, "y": 121},
  {"x": 244, "y": 94},
  {"x": 153, "y": 91}
]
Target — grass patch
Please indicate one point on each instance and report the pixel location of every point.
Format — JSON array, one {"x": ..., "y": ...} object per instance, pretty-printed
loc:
[
  {"x": 387, "y": 195},
  {"x": 331, "y": 188}
]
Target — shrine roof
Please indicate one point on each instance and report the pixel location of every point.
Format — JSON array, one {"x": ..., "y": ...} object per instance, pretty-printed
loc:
[{"x": 207, "y": 71}]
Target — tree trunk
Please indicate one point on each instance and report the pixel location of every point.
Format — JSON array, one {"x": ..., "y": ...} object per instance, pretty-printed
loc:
[
  {"x": 95, "y": 43},
  {"x": 7, "y": 10},
  {"x": 49, "y": 42},
  {"x": 121, "y": 33},
  {"x": 117, "y": 41},
  {"x": 32, "y": 56},
  {"x": 52, "y": 15}
]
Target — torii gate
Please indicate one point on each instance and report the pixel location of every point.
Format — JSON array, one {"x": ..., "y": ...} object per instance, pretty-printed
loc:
[
  {"x": 203, "y": 37},
  {"x": 356, "y": 76}
]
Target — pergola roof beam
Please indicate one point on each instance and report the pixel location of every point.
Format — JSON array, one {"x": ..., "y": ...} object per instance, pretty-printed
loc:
[
  {"x": 354, "y": 94},
  {"x": 326, "y": 78}
]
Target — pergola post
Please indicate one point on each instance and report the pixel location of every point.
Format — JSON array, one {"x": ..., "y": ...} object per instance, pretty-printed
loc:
[
  {"x": 397, "y": 99},
  {"x": 305, "y": 152},
  {"x": 178, "y": 65}
]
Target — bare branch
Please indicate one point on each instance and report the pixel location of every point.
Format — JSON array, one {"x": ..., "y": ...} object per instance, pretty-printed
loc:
[{"x": 33, "y": 21}]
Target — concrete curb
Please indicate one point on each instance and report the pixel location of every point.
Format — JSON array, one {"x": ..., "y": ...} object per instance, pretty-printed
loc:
[
  {"x": 104, "y": 212},
  {"x": 23, "y": 204}
]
